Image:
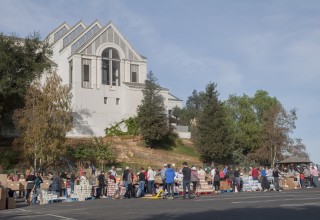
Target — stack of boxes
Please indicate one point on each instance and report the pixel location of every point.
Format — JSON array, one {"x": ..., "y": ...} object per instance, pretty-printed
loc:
[
  {"x": 82, "y": 191},
  {"x": 3, "y": 198},
  {"x": 6, "y": 202},
  {"x": 250, "y": 185},
  {"x": 203, "y": 186},
  {"x": 46, "y": 197},
  {"x": 111, "y": 188}
]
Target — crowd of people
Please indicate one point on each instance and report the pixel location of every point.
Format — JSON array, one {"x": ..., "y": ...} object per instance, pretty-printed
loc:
[{"x": 135, "y": 184}]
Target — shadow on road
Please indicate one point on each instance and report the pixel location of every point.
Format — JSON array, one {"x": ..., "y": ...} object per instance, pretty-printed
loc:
[{"x": 292, "y": 213}]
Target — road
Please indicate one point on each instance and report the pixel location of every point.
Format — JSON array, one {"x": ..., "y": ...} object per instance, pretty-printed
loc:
[{"x": 297, "y": 204}]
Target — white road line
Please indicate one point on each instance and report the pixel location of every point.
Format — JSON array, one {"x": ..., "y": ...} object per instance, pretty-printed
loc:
[
  {"x": 37, "y": 213},
  {"x": 299, "y": 205},
  {"x": 58, "y": 216},
  {"x": 276, "y": 200}
]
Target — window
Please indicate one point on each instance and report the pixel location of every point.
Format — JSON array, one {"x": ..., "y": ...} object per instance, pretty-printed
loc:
[
  {"x": 86, "y": 73},
  {"x": 70, "y": 72},
  {"x": 110, "y": 67},
  {"x": 105, "y": 100},
  {"x": 134, "y": 73},
  {"x": 117, "y": 101}
]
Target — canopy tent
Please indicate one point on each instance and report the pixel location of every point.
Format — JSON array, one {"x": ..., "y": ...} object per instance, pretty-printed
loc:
[{"x": 295, "y": 159}]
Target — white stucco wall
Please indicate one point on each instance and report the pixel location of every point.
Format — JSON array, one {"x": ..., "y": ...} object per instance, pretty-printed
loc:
[{"x": 91, "y": 114}]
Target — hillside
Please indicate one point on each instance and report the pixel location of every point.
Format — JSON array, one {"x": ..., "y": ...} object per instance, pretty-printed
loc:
[{"x": 130, "y": 150}]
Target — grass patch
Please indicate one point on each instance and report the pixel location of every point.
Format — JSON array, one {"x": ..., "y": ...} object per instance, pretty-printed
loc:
[{"x": 185, "y": 150}]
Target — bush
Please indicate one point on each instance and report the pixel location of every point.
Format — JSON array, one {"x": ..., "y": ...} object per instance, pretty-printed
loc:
[{"x": 129, "y": 123}]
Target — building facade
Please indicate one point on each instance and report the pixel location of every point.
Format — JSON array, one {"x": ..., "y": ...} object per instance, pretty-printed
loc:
[{"x": 106, "y": 75}]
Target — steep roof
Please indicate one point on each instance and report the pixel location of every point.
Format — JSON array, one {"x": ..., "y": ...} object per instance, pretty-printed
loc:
[{"x": 295, "y": 159}]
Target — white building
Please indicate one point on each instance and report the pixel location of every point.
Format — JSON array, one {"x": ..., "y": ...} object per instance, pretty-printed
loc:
[{"x": 106, "y": 75}]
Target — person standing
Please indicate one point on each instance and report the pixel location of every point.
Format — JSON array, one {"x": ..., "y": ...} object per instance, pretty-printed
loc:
[
  {"x": 216, "y": 181},
  {"x": 129, "y": 193},
  {"x": 72, "y": 180},
  {"x": 102, "y": 183},
  {"x": 113, "y": 172},
  {"x": 307, "y": 176},
  {"x": 125, "y": 177},
  {"x": 315, "y": 174},
  {"x": 194, "y": 179},
  {"x": 213, "y": 173},
  {"x": 255, "y": 173},
  {"x": 276, "y": 178},
  {"x": 55, "y": 185},
  {"x": 169, "y": 180},
  {"x": 264, "y": 180},
  {"x": 186, "y": 171},
  {"x": 150, "y": 177},
  {"x": 163, "y": 176},
  {"x": 236, "y": 174},
  {"x": 36, "y": 188},
  {"x": 142, "y": 180},
  {"x": 30, "y": 185}
]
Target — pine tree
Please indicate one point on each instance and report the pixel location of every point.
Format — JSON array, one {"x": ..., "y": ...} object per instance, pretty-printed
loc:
[
  {"x": 212, "y": 136},
  {"x": 152, "y": 118}
]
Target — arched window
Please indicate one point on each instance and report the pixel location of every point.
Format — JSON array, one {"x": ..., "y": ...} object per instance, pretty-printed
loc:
[{"x": 110, "y": 67}]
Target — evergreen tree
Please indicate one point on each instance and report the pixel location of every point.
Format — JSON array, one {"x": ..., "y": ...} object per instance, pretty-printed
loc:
[
  {"x": 212, "y": 136},
  {"x": 152, "y": 118}
]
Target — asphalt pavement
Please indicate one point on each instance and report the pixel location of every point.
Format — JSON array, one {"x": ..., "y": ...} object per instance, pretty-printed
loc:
[{"x": 302, "y": 204}]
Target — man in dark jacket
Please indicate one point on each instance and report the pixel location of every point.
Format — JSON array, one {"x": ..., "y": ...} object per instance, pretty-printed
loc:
[
  {"x": 125, "y": 177},
  {"x": 55, "y": 184},
  {"x": 186, "y": 172},
  {"x": 102, "y": 183}
]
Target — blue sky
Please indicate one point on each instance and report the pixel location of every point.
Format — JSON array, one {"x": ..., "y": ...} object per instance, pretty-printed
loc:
[{"x": 243, "y": 46}]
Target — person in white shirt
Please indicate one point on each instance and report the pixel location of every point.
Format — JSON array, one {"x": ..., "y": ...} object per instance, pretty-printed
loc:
[
  {"x": 213, "y": 173},
  {"x": 113, "y": 171},
  {"x": 150, "y": 176}
]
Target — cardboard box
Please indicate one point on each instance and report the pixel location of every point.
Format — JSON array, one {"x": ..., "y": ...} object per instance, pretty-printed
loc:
[
  {"x": 45, "y": 184},
  {"x": 3, "y": 193},
  {"x": 15, "y": 185},
  {"x": 11, "y": 203},
  {"x": 3, "y": 204},
  {"x": 24, "y": 184},
  {"x": 224, "y": 185},
  {"x": 3, "y": 179}
]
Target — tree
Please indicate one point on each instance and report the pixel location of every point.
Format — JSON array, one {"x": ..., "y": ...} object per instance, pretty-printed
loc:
[
  {"x": 244, "y": 123},
  {"x": 45, "y": 119},
  {"x": 276, "y": 128},
  {"x": 21, "y": 62},
  {"x": 212, "y": 136},
  {"x": 151, "y": 118}
]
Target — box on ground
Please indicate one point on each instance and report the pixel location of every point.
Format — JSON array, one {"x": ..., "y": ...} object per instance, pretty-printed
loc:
[
  {"x": 3, "y": 179},
  {"x": 11, "y": 203},
  {"x": 3, "y": 203}
]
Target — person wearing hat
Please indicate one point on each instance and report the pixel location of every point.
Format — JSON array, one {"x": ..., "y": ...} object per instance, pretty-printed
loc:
[
  {"x": 194, "y": 179},
  {"x": 186, "y": 171},
  {"x": 163, "y": 176}
]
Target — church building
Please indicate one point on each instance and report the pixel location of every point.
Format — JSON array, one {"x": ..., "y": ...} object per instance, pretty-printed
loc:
[{"x": 105, "y": 73}]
